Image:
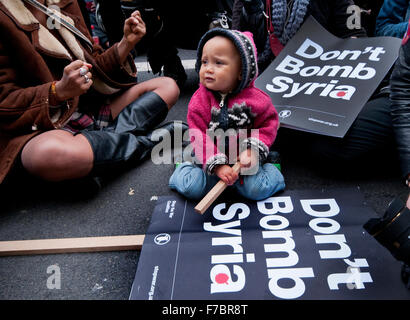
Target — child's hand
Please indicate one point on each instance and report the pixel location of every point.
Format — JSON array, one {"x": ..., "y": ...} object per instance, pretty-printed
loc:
[
  {"x": 226, "y": 174},
  {"x": 248, "y": 158}
]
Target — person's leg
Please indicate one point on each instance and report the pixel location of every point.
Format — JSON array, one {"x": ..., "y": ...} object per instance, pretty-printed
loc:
[
  {"x": 369, "y": 139},
  {"x": 191, "y": 181},
  {"x": 266, "y": 182},
  {"x": 166, "y": 88},
  {"x": 57, "y": 155},
  {"x": 369, "y": 142},
  {"x": 132, "y": 135},
  {"x": 113, "y": 19}
]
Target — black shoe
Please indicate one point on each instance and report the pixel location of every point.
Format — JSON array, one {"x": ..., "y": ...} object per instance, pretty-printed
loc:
[
  {"x": 172, "y": 128},
  {"x": 405, "y": 275},
  {"x": 92, "y": 185},
  {"x": 174, "y": 132},
  {"x": 174, "y": 69},
  {"x": 393, "y": 229},
  {"x": 82, "y": 188}
]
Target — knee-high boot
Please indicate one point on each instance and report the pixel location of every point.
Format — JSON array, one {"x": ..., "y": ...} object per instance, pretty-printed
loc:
[
  {"x": 132, "y": 135},
  {"x": 142, "y": 115},
  {"x": 113, "y": 151}
]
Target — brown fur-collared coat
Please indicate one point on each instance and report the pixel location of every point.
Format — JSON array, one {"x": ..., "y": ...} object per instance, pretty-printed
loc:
[{"x": 32, "y": 56}]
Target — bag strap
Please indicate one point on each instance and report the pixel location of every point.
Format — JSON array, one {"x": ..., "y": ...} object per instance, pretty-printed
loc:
[
  {"x": 268, "y": 16},
  {"x": 60, "y": 20},
  {"x": 275, "y": 44}
]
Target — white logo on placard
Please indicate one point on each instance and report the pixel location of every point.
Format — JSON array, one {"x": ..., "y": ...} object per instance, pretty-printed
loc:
[
  {"x": 170, "y": 208},
  {"x": 162, "y": 238},
  {"x": 285, "y": 113}
]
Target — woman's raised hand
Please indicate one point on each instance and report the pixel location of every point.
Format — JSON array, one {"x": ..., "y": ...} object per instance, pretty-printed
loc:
[{"x": 134, "y": 29}]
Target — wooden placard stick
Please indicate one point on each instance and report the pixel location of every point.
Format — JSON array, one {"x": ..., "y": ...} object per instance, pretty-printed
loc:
[
  {"x": 214, "y": 193},
  {"x": 69, "y": 245}
]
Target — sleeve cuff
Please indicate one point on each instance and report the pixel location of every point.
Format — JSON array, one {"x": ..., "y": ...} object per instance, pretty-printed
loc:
[
  {"x": 128, "y": 66},
  {"x": 215, "y": 160},
  {"x": 256, "y": 145}
]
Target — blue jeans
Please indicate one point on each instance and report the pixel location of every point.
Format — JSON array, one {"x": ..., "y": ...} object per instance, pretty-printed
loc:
[{"x": 193, "y": 183}]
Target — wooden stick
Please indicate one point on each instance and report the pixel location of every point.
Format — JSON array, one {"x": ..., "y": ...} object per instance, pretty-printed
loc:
[
  {"x": 66, "y": 245},
  {"x": 214, "y": 193}
]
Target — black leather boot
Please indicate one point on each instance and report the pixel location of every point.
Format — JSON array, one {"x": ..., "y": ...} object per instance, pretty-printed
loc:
[
  {"x": 175, "y": 131},
  {"x": 140, "y": 116},
  {"x": 114, "y": 151}
]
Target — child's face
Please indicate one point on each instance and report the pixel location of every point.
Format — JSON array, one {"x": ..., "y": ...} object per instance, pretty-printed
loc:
[{"x": 220, "y": 65}]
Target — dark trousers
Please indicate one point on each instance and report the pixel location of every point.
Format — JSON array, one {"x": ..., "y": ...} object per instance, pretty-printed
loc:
[{"x": 368, "y": 144}]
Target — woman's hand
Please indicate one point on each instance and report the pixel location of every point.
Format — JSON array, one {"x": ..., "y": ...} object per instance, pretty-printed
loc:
[
  {"x": 76, "y": 80},
  {"x": 134, "y": 30},
  {"x": 226, "y": 174}
]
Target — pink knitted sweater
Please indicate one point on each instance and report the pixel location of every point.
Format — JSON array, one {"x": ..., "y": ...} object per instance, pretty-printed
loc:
[{"x": 251, "y": 108}]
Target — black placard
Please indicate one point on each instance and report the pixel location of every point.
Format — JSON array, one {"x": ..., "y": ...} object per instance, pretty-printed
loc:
[
  {"x": 298, "y": 245},
  {"x": 319, "y": 83}
]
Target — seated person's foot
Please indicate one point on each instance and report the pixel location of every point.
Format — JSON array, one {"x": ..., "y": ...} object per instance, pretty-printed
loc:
[{"x": 174, "y": 69}]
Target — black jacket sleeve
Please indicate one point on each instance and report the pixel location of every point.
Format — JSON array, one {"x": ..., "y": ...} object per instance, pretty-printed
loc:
[
  {"x": 247, "y": 15},
  {"x": 236, "y": 14},
  {"x": 400, "y": 107}
]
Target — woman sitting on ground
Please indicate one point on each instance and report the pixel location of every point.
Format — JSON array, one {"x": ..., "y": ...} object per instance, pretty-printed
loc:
[{"x": 67, "y": 108}]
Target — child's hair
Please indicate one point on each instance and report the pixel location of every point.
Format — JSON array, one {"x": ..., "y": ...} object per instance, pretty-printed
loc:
[{"x": 243, "y": 42}]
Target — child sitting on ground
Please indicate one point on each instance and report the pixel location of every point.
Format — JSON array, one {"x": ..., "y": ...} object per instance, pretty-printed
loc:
[{"x": 227, "y": 99}]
